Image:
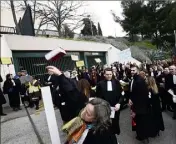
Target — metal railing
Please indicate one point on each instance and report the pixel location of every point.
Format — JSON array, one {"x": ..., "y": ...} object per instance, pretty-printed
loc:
[
  {"x": 7, "y": 30},
  {"x": 41, "y": 32}
]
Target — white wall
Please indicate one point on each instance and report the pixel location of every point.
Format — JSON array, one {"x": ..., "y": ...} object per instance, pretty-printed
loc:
[{"x": 5, "y": 52}]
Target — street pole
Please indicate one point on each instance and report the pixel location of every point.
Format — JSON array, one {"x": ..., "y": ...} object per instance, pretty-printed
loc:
[
  {"x": 175, "y": 37},
  {"x": 175, "y": 47}
]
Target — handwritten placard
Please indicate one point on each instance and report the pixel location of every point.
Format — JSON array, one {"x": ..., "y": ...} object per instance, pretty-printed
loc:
[
  {"x": 6, "y": 60},
  {"x": 80, "y": 63}
]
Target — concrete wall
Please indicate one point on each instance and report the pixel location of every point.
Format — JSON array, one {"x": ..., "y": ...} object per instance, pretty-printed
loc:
[{"x": 5, "y": 69}]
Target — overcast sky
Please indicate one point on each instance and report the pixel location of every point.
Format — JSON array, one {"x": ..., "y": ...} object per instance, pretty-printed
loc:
[{"x": 100, "y": 11}]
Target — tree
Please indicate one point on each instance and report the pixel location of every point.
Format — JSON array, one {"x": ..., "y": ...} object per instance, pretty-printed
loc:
[
  {"x": 66, "y": 32},
  {"x": 60, "y": 12},
  {"x": 154, "y": 20},
  {"x": 55, "y": 13},
  {"x": 132, "y": 13},
  {"x": 14, "y": 17},
  {"x": 99, "y": 30},
  {"x": 89, "y": 28}
]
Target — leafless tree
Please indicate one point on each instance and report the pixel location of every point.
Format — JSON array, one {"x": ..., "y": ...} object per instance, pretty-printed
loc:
[
  {"x": 14, "y": 16},
  {"x": 55, "y": 13},
  {"x": 60, "y": 12}
]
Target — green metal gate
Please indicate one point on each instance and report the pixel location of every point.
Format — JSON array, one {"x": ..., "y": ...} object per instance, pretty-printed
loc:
[{"x": 35, "y": 63}]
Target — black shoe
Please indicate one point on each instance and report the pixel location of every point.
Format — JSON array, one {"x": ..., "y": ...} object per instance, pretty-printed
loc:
[
  {"x": 19, "y": 108},
  {"x": 139, "y": 139},
  {"x": 163, "y": 109},
  {"x": 3, "y": 114},
  {"x": 170, "y": 109}
]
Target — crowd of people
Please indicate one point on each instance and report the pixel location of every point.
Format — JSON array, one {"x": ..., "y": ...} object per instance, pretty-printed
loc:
[{"x": 90, "y": 100}]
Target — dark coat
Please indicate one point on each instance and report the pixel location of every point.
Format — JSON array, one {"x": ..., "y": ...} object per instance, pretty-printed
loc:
[
  {"x": 154, "y": 73},
  {"x": 169, "y": 84},
  {"x": 71, "y": 99},
  {"x": 52, "y": 80},
  {"x": 139, "y": 95},
  {"x": 113, "y": 97},
  {"x": 2, "y": 98},
  {"x": 157, "y": 122},
  {"x": 75, "y": 102},
  {"x": 13, "y": 92}
]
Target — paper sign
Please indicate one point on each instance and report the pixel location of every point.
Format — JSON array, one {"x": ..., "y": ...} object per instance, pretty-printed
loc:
[
  {"x": 112, "y": 112},
  {"x": 6, "y": 60},
  {"x": 80, "y": 63},
  {"x": 50, "y": 115},
  {"x": 98, "y": 60},
  {"x": 74, "y": 57}
]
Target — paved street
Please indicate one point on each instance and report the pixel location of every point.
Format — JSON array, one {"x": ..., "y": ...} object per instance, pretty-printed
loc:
[{"x": 15, "y": 130}]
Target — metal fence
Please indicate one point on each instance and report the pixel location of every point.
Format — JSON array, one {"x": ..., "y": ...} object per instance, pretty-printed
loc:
[{"x": 36, "y": 66}]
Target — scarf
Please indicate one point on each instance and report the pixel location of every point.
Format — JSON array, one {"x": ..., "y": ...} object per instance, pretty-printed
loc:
[{"x": 75, "y": 129}]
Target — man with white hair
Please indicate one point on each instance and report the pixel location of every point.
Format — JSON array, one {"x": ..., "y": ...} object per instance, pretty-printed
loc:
[{"x": 171, "y": 87}]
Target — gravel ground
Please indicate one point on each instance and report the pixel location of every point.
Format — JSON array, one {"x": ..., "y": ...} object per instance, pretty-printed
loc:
[{"x": 16, "y": 130}]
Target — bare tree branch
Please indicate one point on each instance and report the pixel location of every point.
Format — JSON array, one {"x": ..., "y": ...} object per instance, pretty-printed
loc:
[
  {"x": 25, "y": 2},
  {"x": 14, "y": 17},
  {"x": 63, "y": 12}
]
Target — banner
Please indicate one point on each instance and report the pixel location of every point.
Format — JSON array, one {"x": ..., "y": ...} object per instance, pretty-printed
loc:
[
  {"x": 98, "y": 60},
  {"x": 6, "y": 60},
  {"x": 75, "y": 57},
  {"x": 80, "y": 63}
]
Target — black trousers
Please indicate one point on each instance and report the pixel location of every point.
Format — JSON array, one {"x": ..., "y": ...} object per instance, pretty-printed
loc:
[
  {"x": 1, "y": 109},
  {"x": 174, "y": 113}
]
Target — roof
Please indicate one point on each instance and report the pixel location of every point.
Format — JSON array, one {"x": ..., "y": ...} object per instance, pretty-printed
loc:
[{"x": 26, "y": 43}]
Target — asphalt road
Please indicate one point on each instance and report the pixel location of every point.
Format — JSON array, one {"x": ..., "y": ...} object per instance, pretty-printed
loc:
[{"x": 16, "y": 129}]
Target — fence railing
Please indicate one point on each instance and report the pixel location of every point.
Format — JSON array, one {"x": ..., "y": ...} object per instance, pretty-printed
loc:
[
  {"x": 41, "y": 32},
  {"x": 7, "y": 30}
]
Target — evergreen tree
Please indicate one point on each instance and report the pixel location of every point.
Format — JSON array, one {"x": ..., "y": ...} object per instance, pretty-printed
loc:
[
  {"x": 99, "y": 30},
  {"x": 89, "y": 28},
  {"x": 66, "y": 32}
]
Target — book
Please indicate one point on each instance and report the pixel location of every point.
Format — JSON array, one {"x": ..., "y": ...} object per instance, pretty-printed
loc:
[{"x": 55, "y": 54}]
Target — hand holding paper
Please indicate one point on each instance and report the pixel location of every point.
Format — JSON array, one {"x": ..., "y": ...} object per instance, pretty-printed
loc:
[
  {"x": 117, "y": 107},
  {"x": 130, "y": 103}
]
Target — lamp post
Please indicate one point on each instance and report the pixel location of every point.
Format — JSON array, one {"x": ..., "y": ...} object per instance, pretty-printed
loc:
[
  {"x": 90, "y": 24},
  {"x": 175, "y": 37}
]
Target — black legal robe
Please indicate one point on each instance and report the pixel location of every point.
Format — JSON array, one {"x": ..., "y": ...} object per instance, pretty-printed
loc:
[
  {"x": 157, "y": 122},
  {"x": 75, "y": 101},
  {"x": 2, "y": 98},
  {"x": 140, "y": 99},
  {"x": 113, "y": 97}
]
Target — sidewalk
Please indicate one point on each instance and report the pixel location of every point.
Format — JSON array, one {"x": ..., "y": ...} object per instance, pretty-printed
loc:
[{"x": 17, "y": 129}]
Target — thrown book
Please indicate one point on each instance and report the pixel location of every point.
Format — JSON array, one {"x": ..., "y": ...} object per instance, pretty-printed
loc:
[{"x": 55, "y": 54}]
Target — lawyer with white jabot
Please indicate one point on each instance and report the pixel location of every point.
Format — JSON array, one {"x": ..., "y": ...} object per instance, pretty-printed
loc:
[{"x": 110, "y": 90}]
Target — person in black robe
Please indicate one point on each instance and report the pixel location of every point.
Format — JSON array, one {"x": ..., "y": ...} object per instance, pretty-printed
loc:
[
  {"x": 110, "y": 90},
  {"x": 12, "y": 89},
  {"x": 2, "y": 100},
  {"x": 157, "y": 123},
  {"x": 139, "y": 100},
  {"x": 76, "y": 105},
  {"x": 50, "y": 80},
  {"x": 152, "y": 72},
  {"x": 170, "y": 84}
]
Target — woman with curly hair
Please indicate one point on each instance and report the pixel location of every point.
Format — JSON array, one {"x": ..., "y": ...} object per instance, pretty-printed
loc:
[{"x": 90, "y": 123}]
